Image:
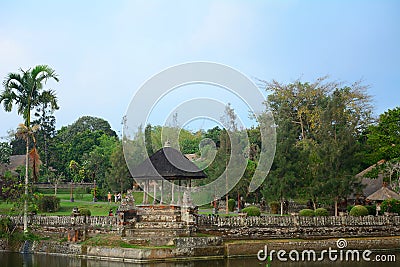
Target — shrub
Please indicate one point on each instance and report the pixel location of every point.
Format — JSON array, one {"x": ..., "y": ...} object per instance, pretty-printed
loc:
[
  {"x": 359, "y": 210},
  {"x": 85, "y": 212},
  {"x": 48, "y": 203},
  {"x": 321, "y": 212},
  {"x": 252, "y": 211},
  {"x": 306, "y": 212},
  {"x": 349, "y": 207},
  {"x": 6, "y": 227},
  {"x": 231, "y": 204},
  {"x": 371, "y": 210},
  {"x": 391, "y": 205},
  {"x": 274, "y": 207}
]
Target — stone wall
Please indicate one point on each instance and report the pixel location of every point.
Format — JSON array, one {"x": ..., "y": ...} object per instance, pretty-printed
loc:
[
  {"x": 298, "y": 227},
  {"x": 66, "y": 221}
]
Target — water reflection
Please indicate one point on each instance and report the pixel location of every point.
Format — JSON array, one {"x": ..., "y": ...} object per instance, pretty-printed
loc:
[{"x": 28, "y": 260}]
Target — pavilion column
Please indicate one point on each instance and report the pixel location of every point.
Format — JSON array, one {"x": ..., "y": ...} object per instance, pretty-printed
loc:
[
  {"x": 162, "y": 191},
  {"x": 172, "y": 193},
  {"x": 144, "y": 193},
  {"x": 155, "y": 192},
  {"x": 179, "y": 202},
  {"x": 146, "y": 186}
]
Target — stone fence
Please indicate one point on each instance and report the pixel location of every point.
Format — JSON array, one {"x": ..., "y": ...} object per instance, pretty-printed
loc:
[
  {"x": 296, "y": 221},
  {"x": 65, "y": 221},
  {"x": 298, "y": 227}
]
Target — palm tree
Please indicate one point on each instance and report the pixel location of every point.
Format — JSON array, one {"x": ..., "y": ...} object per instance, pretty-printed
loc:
[{"x": 25, "y": 90}]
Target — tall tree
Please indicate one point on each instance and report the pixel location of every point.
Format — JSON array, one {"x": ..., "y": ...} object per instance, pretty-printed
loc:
[
  {"x": 320, "y": 124},
  {"x": 148, "y": 141},
  {"x": 383, "y": 137},
  {"x": 46, "y": 120},
  {"x": 25, "y": 90},
  {"x": 118, "y": 176}
]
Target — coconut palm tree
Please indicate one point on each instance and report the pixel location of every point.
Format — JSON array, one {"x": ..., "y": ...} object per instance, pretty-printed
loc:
[{"x": 25, "y": 91}]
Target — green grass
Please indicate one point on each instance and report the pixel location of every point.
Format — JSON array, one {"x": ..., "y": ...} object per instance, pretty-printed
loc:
[
  {"x": 111, "y": 240},
  {"x": 97, "y": 208}
]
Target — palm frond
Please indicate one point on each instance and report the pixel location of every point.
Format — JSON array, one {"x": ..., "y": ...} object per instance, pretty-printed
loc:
[{"x": 22, "y": 132}]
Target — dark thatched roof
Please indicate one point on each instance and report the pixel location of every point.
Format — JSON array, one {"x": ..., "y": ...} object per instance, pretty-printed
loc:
[
  {"x": 170, "y": 164},
  {"x": 369, "y": 185},
  {"x": 383, "y": 194}
]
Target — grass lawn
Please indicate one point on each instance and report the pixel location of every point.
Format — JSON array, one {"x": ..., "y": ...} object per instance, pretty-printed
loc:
[{"x": 99, "y": 208}]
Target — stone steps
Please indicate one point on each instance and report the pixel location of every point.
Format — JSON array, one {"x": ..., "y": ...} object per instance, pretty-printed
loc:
[{"x": 159, "y": 225}]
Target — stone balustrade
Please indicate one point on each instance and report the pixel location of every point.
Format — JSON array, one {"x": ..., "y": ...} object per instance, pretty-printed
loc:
[
  {"x": 296, "y": 221},
  {"x": 298, "y": 227},
  {"x": 65, "y": 221}
]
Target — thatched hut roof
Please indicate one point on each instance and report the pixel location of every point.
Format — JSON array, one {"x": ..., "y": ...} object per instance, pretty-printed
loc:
[
  {"x": 168, "y": 163},
  {"x": 383, "y": 194},
  {"x": 15, "y": 162}
]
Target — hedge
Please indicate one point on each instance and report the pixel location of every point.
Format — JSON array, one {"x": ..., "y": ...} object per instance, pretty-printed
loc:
[
  {"x": 252, "y": 211},
  {"x": 306, "y": 212},
  {"x": 359, "y": 211},
  {"x": 48, "y": 203},
  {"x": 321, "y": 212}
]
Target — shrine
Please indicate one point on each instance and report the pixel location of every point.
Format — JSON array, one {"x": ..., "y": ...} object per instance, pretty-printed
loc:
[{"x": 166, "y": 211}]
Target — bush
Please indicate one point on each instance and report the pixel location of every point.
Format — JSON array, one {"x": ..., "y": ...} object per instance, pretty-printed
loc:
[
  {"x": 391, "y": 205},
  {"x": 371, "y": 210},
  {"x": 85, "y": 212},
  {"x": 274, "y": 207},
  {"x": 231, "y": 204},
  {"x": 349, "y": 207},
  {"x": 48, "y": 203},
  {"x": 321, "y": 212},
  {"x": 6, "y": 227},
  {"x": 306, "y": 212},
  {"x": 252, "y": 211},
  {"x": 359, "y": 210}
]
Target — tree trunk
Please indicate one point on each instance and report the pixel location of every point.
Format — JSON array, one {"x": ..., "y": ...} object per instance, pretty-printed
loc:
[
  {"x": 26, "y": 187},
  {"x": 281, "y": 207},
  {"x": 336, "y": 207}
]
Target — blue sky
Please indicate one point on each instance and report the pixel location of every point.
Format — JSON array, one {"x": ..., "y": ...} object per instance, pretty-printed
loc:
[{"x": 103, "y": 51}]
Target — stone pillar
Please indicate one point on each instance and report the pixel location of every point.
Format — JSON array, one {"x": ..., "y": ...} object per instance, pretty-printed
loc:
[
  {"x": 172, "y": 193},
  {"x": 155, "y": 192},
  {"x": 144, "y": 193},
  {"x": 162, "y": 192},
  {"x": 179, "y": 201}
]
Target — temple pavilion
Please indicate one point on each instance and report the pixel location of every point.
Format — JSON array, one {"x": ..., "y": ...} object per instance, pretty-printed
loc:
[
  {"x": 167, "y": 175},
  {"x": 171, "y": 165}
]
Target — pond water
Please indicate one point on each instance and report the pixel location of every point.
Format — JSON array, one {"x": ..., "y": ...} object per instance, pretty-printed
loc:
[{"x": 8, "y": 259}]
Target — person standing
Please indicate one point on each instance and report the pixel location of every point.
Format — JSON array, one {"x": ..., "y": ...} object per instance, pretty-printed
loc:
[{"x": 109, "y": 197}]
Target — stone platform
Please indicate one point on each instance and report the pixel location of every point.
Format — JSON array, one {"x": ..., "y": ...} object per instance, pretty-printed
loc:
[{"x": 158, "y": 225}]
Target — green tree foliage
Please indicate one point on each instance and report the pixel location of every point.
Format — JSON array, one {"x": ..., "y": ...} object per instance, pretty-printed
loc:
[
  {"x": 47, "y": 121},
  {"x": 12, "y": 186},
  {"x": 48, "y": 203},
  {"x": 148, "y": 140},
  {"x": 5, "y": 153},
  {"x": 25, "y": 90},
  {"x": 383, "y": 138},
  {"x": 318, "y": 125},
  {"x": 118, "y": 177},
  {"x": 87, "y": 137},
  {"x": 391, "y": 205},
  {"x": 97, "y": 161}
]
